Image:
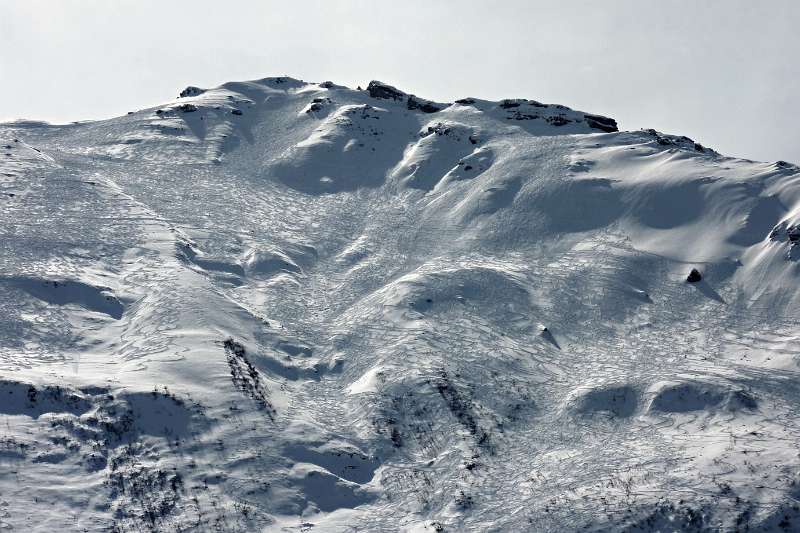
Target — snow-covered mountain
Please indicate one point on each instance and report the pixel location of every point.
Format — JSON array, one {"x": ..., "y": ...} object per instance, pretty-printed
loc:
[{"x": 290, "y": 306}]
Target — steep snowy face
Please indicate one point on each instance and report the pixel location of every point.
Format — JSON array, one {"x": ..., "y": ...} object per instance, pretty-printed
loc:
[{"x": 280, "y": 305}]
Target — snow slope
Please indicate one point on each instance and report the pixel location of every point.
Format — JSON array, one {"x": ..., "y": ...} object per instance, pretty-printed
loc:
[{"x": 289, "y": 306}]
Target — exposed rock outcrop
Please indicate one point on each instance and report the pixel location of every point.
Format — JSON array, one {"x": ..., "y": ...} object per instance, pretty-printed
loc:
[
  {"x": 600, "y": 122},
  {"x": 191, "y": 91},
  {"x": 383, "y": 91}
]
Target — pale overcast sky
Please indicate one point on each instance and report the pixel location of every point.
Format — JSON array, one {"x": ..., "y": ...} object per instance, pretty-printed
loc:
[{"x": 724, "y": 72}]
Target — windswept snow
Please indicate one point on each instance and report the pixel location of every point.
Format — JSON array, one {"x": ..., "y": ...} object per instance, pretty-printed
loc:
[{"x": 280, "y": 305}]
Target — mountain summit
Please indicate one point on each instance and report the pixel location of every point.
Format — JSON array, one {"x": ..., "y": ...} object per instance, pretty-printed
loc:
[{"x": 291, "y": 306}]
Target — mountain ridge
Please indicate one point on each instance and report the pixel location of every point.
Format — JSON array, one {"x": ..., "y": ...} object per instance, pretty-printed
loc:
[{"x": 275, "y": 305}]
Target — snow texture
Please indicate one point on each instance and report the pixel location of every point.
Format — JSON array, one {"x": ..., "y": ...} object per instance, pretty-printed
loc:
[{"x": 288, "y": 306}]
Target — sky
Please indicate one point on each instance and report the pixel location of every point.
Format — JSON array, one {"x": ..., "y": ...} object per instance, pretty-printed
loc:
[{"x": 723, "y": 72}]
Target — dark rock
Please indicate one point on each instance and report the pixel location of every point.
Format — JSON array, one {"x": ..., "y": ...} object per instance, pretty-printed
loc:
[
  {"x": 694, "y": 276},
  {"x": 466, "y": 101},
  {"x": 237, "y": 112},
  {"x": 317, "y": 104},
  {"x": 523, "y": 116},
  {"x": 558, "y": 120},
  {"x": 600, "y": 122},
  {"x": 423, "y": 105},
  {"x": 547, "y": 335},
  {"x": 326, "y": 85},
  {"x": 508, "y": 104},
  {"x": 377, "y": 89},
  {"x": 438, "y": 129},
  {"x": 463, "y": 500},
  {"x": 191, "y": 91},
  {"x": 187, "y": 108},
  {"x": 785, "y": 231},
  {"x": 387, "y": 92},
  {"x": 680, "y": 141}
]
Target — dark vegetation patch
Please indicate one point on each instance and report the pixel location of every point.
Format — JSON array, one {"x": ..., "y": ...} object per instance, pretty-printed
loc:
[
  {"x": 462, "y": 408},
  {"x": 154, "y": 493},
  {"x": 18, "y": 398},
  {"x": 125, "y": 437},
  {"x": 671, "y": 517},
  {"x": 247, "y": 378}
]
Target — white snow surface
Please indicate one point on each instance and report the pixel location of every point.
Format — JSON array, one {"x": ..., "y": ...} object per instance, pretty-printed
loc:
[{"x": 288, "y": 306}]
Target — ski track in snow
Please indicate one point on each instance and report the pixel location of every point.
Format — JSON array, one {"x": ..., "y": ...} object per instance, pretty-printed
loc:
[{"x": 279, "y": 305}]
